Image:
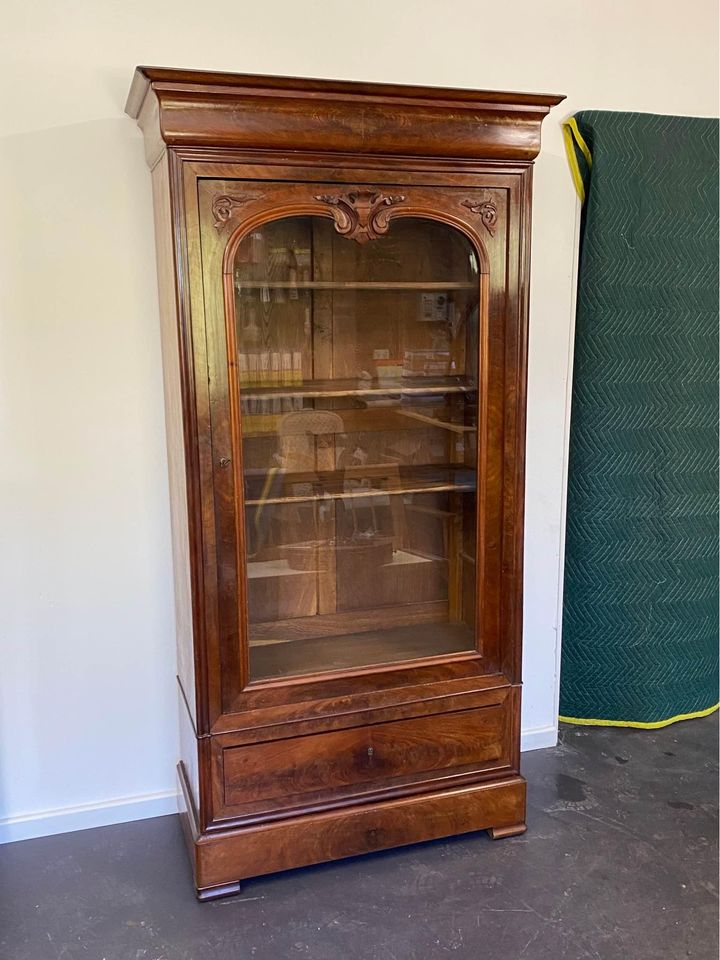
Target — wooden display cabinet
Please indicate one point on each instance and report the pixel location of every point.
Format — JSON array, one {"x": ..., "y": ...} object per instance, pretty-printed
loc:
[{"x": 343, "y": 282}]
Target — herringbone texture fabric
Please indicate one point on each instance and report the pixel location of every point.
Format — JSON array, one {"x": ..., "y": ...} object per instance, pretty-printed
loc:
[{"x": 640, "y": 626}]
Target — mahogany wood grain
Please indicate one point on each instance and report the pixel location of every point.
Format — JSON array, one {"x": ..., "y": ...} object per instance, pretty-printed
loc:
[
  {"x": 274, "y": 723},
  {"x": 472, "y": 706},
  {"x": 239, "y": 853},
  {"x": 280, "y": 770},
  {"x": 235, "y": 110},
  {"x": 326, "y": 166},
  {"x": 286, "y": 769},
  {"x": 514, "y": 523}
]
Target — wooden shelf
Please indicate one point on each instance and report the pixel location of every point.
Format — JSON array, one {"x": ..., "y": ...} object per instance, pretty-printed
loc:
[
  {"x": 362, "y": 388},
  {"x": 272, "y": 569},
  {"x": 391, "y": 645},
  {"x": 355, "y": 419},
  {"x": 354, "y": 285},
  {"x": 436, "y": 422},
  {"x": 392, "y": 480}
]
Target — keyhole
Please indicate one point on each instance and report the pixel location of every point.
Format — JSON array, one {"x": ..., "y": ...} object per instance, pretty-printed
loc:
[{"x": 370, "y": 752}]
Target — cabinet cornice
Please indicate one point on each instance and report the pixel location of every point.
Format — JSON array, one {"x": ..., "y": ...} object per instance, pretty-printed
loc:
[{"x": 201, "y": 109}]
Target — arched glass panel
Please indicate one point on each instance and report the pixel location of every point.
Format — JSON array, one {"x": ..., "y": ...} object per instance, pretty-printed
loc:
[{"x": 358, "y": 369}]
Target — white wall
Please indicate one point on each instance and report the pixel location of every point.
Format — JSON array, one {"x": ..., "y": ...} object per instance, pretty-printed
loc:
[{"x": 87, "y": 708}]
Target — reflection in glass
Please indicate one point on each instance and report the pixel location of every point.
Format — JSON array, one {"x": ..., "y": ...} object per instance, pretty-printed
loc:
[{"x": 357, "y": 369}]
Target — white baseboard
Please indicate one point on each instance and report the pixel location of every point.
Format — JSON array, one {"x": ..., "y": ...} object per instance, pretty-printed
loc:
[
  {"x": 539, "y": 738},
  {"x": 44, "y": 823}
]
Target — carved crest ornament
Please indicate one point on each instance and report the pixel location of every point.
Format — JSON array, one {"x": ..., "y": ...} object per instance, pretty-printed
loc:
[
  {"x": 224, "y": 206},
  {"x": 361, "y": 215},
  {"x": 487, "y": 211}
]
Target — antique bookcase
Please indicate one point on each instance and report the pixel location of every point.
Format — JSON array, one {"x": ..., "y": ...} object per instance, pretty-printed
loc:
[{"x": 343, "y": 273}]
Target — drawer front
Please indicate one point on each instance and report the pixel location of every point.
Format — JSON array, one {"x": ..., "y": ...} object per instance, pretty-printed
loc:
[{"x": 344, "y": 762}]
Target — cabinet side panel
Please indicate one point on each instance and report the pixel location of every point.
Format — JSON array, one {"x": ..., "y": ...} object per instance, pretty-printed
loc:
[
  {"x": 174, "y": 431},
  {"x": 189, "y": 753},
  {"x": 518, "y": 283}
]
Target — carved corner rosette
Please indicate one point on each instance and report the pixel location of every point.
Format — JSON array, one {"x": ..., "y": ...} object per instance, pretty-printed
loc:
[
  {"x": 486, "y": 210},
  {"x": 361, "y": 215},
  {"x": 224, "y": 207}
]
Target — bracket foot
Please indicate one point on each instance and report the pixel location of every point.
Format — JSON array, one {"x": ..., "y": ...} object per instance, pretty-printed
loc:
[
  {"x": 499, "y": 833},
  {"x": 221, "y": 890}
]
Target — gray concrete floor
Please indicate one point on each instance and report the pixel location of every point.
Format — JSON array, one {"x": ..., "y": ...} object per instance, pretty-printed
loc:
[{"x": 619, "y": 863}]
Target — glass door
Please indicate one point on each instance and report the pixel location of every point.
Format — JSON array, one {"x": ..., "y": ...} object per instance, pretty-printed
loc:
[{"x": 358, "y": 383}]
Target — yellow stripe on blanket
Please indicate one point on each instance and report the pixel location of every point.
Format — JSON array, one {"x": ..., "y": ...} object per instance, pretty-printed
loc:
[
  {"x": 655, "y": 725},
  {"x": 573, "y": 137}
]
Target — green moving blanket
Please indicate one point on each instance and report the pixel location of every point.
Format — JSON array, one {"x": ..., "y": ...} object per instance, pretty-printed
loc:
[{"x": 640, "y": 622}]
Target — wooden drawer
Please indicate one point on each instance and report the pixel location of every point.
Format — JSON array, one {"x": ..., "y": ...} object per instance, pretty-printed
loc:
[{"x": 330, "y": 766}]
